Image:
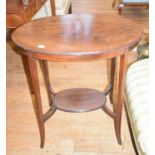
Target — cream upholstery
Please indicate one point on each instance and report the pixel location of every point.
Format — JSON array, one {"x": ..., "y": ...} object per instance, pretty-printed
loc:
[
  {"x": 61, "y": 6},
  {"x": 126, "y": 3},
  {"x": 137, "y": 101},
  {"x": 135, "y": 1}
]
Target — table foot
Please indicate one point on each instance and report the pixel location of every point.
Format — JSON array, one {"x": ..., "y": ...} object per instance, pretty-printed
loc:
[{"x": 118, "y": 131}]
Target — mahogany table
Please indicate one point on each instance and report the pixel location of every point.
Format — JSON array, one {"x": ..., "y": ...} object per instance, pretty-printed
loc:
[{"x": 76, "y": 37}]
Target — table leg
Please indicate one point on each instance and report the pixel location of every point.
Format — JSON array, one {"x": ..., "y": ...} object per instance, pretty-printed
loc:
[
  {"x": 118, "y": 106},
  {"x": 53, "y": 10},
  {"x": 45, "y": 72},
  {"x": 27, "y": 72},
  {"x": 30, "y": 67},
  {"x": 70, "y": 9},
  {"x": 112, "y": 77}
]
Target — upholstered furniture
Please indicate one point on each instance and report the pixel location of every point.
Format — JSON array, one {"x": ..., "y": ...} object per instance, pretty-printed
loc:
[
  {"x": 137, "y": 102},
  {"x": 125, "y": 3},
  {"x": 143, "y": 50}
]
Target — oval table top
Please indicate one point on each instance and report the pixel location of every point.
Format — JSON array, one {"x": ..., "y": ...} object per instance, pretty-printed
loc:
[{"x": 77, "y": 36}]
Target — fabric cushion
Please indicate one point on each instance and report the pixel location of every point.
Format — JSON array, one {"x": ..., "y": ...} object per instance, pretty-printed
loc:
[
  {"x": 137, "y": 101},
  {"x": 135, "y": 1},
  {"x": 61, "y": 6}
]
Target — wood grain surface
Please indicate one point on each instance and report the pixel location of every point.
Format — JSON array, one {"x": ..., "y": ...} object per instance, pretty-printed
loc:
[
  {"x": 78, "y": 36},
  {"x": 79, "y": 100}
]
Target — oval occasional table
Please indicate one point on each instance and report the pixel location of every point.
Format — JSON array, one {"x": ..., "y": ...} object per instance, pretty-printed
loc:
[{"x": 76, "y": 37}]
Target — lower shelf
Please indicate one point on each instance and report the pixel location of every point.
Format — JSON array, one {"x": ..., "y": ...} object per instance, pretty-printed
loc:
[{"x": 79, "y": 100}]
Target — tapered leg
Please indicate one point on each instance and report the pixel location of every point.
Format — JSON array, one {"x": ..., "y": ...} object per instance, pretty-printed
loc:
[
  {"x": 70, "y": 9},
  {"x": 27, "y": 72},
  {"x": 30, "y": 67},
  {"x": 45, "y": 72},
  {"x": 119, "y": 10},
  {"x": 112, "y": 77},
  {"x": 120, "y": 99},
  {"x": 53, "y": 10},
  {"x": 110, "y": 87}
]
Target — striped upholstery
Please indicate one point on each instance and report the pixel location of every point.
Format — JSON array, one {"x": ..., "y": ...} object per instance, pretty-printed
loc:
[
  {"x": 135, "y": 1},
  {"x": 61, "y": 6},
  {"x": 137, "y": 100}
]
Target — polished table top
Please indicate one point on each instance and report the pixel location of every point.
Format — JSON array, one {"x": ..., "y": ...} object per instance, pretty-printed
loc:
[{"x": 78, "y": 36}]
